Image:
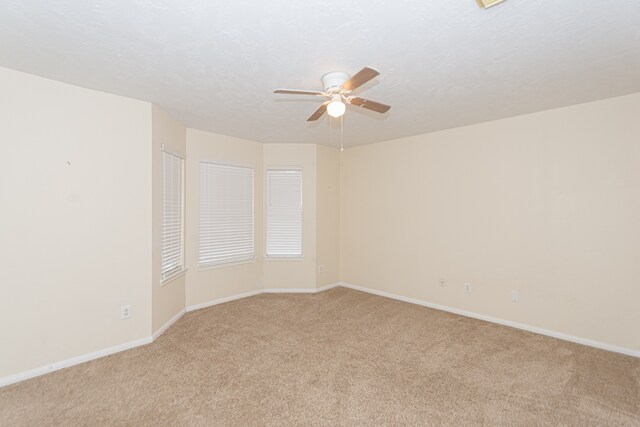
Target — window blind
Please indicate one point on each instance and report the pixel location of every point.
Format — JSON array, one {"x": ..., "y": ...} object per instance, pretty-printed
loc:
[
  {"x": 172, "y": 212},
  {"x": 226, "y": 214},
  {"x": 284, "y": 212}
]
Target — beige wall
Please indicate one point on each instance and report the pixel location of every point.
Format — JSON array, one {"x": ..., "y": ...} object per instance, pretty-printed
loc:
[
  {"x": 328, "y": 216},
  {"x": 75, "y": 235},
  {"x": 205, "y": 285},
  {"x": 169, "y": 297},
  {"x": 546, "y": 204}
]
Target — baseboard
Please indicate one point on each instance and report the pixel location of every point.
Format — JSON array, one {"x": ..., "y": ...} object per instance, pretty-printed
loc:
[
  {"x": 300, "y": 290},
  {"x": 32, "y": 373},
  {"x": 327, "y": 287},
  {"x": 115, "y": 349},
  {"x": 290, "y": 291},
  {"x": 36, "y": 372},
  {"x": 223, "y": 300},
  {"x": 512, "y": 324},
  {"x": 261, "y": 291},
  {"x": 166, "y": 326}
]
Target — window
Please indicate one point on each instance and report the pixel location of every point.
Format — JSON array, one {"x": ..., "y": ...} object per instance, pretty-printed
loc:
[
  {"x": 284, "y": 213},
  {"x": 172, "y": 216},
  {"x": 226, "y": 214}
]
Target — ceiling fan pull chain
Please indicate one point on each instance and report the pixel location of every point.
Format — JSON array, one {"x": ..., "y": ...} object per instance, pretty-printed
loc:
[{"x": 342, "y": 133}]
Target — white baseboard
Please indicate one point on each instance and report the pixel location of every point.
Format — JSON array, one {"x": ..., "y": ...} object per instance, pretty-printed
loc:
[
  {"x": 290, "y": 291},
  {"x": 517, "y": 325},
  {"x": 32, "y": 373},
  {"x": 166, "y": 326},
  {"x": 300, "y": 290},
  {"x": 131, "y": 344},
  {"x": 36, "y": 372},
  {"x": 327, "y": 287},
  {"x": 223, "y": 300}
]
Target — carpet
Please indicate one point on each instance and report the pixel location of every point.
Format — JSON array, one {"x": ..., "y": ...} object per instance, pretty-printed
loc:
[{"x": 339, "y": 357}]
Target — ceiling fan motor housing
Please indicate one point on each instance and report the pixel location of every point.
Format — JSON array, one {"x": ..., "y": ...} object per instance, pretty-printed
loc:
[{"x": 332, "y": 81}]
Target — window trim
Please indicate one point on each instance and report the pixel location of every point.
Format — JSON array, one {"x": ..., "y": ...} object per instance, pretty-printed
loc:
[
  {"x": 276, "y": 258},
  {"x": 227, "y": 263},
  {"x": 181, "y": 269},
  {"x": 173, "y": 276}
]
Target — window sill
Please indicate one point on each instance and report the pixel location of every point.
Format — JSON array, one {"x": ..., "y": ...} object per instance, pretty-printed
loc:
[
  {"x": 283, "y": 258},
  {"x": 225, "y": 264},
  {"x": 174, "y": 276}
]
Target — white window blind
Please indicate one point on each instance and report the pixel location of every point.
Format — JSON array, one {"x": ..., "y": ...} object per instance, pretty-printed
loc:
[
  {"x": 284, "y": 212},
  {"x": 172, "y": 213},
  {"x": 226, "y": 214}
]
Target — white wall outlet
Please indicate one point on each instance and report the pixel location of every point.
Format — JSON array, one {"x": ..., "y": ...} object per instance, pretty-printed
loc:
[
  {"x": 442, "y": 282},
  {"x": 467, "y": 288},
  {"x": 320, "y": 268},
  {"x": 515, "y": 296},
  {"x": 125, "y": 312}
]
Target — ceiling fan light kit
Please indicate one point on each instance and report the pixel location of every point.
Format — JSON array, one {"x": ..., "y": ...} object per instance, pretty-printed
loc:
[
  {"x": 336, "y": 107},
  {"x": 338, "y": 87},
  {"x": 486, "y": 4}
]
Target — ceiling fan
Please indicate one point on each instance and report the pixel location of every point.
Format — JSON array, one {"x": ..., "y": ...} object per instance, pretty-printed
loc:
[{"x": 338, "y": 87}]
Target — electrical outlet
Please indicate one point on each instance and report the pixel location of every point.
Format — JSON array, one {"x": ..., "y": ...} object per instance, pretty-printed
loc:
[
  {"x": 125, "y": 312},
  {"x": 515, "y": 296},
  {"x": 320, "y": 268},
  {"x": 467, "y": 288},
  {"x": 443, "y": 282}
]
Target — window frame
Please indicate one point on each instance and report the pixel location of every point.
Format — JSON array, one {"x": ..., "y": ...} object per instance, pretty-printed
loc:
[
  {"x": 267, "y": 256},
  {"x": 231, "y": 262},
  {"x": 179, "y": 270}
]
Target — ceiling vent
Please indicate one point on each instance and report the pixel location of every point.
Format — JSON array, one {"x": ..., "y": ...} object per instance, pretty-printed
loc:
[{"x": 486, "y": 4}]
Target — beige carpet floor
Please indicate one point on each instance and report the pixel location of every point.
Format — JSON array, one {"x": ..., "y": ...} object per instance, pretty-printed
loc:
[{"x": 340, "y": 357}]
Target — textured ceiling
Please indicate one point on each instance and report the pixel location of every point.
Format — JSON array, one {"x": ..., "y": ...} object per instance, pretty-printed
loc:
[{"x": 213, "y": 64}]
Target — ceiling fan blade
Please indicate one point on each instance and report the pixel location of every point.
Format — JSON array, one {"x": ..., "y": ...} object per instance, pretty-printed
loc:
[
  {"x": 360, "y": 78},
  {"x": 299, "y": 92},
  {"x": 370, "y": 105},
  {"x": 319, "y": 112}
]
